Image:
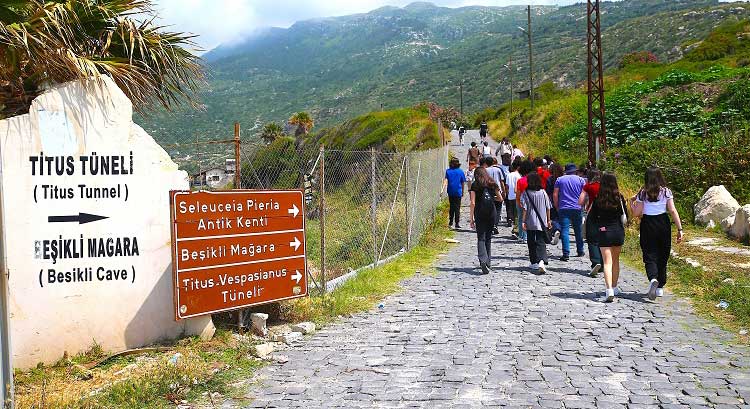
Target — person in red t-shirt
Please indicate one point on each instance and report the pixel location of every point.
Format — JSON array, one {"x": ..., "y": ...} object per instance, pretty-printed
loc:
[
  {"x": 587, "y": 198},
  {"x": 543, "y": 170}
]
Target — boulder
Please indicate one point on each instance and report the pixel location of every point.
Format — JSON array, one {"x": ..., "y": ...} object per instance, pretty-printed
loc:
[
  {"x": 263, "y": 350},
  {"x": 717, "y": 204},
  {"x": 304, "y": 327},
  {"x": 741, "y": 227},
  {"x": 727, "y": 223}
]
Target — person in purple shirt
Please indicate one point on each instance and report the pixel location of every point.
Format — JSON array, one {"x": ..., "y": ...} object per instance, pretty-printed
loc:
[{"x": 568, "y": 189}]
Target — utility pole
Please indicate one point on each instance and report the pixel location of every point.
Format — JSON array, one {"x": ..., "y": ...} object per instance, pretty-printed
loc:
[
  {"x": 509, "y": 67},
  {"x": 527, "y": 31},
  {"x": 597, "y": 127},
  {"x": 461, "y": 92},
  {"x": 531, "y": 62}
]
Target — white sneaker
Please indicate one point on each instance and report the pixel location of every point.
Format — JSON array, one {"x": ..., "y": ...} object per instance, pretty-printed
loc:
[
  {"x": 542, "y": 268},
  {"x": 652, "y": 288},
  {"x": 660, "y": 292},
  {"x": 618, "y": 292},
  {"x": 609, "y": 295},
  {"x": 555, "y": 238}
]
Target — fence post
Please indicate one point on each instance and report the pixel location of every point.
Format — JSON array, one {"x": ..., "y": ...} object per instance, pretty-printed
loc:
[
  {"x": 322, "y": 217},
  {"x": 374, "y": 210},
  {"x": 406, "y": 203},
  {"x": 237, "y": 168}
]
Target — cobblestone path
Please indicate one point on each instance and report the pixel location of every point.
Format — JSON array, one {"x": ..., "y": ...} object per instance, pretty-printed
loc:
[{"x": 461, "y": 340}]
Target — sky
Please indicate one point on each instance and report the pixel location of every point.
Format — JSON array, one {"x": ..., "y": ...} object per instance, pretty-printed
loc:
[{"x": 225, "y": 21}]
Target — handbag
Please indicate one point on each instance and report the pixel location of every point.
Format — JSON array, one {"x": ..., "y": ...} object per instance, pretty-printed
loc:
[
  {"x": 624, "y": 217},
  {"x": 546, "y": 231}
]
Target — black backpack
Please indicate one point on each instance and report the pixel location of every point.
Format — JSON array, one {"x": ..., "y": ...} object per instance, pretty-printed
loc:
[{"x": 485, "y": 205}]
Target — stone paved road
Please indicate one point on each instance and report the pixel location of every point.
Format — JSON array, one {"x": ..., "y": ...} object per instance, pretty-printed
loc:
[{"x": 460, "y": 340}]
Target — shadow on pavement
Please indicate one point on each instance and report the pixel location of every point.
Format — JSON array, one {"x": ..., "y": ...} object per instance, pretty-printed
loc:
[
  {"x": 466, "y": 270},
  {"x": 599, "y": 296}
]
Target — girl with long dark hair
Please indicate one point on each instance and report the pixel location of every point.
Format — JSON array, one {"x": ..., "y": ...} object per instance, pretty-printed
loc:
[
  {"x": 484, "y": 192},
  {"x": 536, "y": 220},
  {"x": 587, "y": 198},
  {"x": 607, "y": 215},
  {"x": 654, "y": 202}
]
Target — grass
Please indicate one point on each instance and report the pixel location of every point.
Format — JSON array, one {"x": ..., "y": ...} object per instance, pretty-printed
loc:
[
  {"x": 705, "y": 288},
  {"x": 150, "y": 380},
  {"x": 369, "y": 286}
]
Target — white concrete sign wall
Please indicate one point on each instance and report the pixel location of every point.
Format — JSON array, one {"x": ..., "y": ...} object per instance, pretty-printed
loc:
[{"x": 86, "y": 226}]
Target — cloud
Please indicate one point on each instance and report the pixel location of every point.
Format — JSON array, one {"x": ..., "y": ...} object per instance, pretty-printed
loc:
[{"x": 226, "y": 21}]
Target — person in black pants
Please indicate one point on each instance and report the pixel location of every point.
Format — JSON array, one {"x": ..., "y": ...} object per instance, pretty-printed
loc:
[
  {"x": 654, "y": 202},
  {"x": 484, "y": 192},
  {"x": 453, "y": 185},
  {"x": 536, "y": 220}
]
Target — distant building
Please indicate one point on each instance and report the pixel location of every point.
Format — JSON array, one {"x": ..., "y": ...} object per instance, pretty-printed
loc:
[
  {"x": 215, "y": 178},
  {"x": 523, "y": 94}
]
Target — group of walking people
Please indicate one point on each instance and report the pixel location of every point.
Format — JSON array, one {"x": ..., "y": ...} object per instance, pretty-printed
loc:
[{"x": 544, "y": 201}]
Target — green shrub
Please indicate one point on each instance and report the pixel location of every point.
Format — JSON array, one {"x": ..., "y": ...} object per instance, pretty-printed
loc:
[{"x": 737, "y": 97}]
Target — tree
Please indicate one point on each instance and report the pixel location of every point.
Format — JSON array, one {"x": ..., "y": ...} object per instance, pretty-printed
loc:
[
  {"x": 44, "y": 42},
  {"x": 304, "y": 123},
  {"x": 271, "y": 131}
]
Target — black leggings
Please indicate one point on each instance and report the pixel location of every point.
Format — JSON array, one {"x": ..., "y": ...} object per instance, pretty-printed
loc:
[
  {"x": 656, "y": 243},
  {"x": 484, "y": 239},
  {"x": 455, "y": 210}
]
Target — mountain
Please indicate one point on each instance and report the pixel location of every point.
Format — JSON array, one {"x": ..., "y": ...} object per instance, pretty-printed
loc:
[{"x": 338, "y": 68}]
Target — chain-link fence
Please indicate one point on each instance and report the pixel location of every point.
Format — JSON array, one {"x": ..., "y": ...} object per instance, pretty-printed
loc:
[
  {"x": 376, "y": 204},
  {"x": 362, "y": 207}
]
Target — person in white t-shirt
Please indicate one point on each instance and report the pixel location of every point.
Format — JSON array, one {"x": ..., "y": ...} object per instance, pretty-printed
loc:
[
  {"x": 516, "y": 154},
  {"x": 655, "y": 202},
  {"x": 511, "y": 180},
  {"x": 486, "y": 150}
]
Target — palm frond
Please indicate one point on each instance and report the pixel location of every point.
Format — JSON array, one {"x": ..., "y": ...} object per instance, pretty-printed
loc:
[{"x": 43, "y": 42}]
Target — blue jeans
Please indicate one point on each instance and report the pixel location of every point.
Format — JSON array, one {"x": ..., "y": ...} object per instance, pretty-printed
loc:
[
  {"x": 519, "y": 225},
  {"x": 568, "y": 217}
]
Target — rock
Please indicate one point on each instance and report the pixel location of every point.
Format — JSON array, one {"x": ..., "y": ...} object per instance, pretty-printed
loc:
[
  {"x": 692, "y": 262},
  {"x": 258, "y": 326},
  {"x": 727, "y": 223},
  {"x": 263, "y": 350},
  {"x": 741, "y": 227},
  {"x": 743, "y": 332},
  {"x": 291, "y": 337},
  {"x": 282, "y": 359},
  {"x": 728, "y": 281},
  {"x": 711, "y": 225},
  {"x": 82, "y": 372},
  {"x": 717, "y": 204},
  {"x": 304, "y": 327},
  {"x": 276, "y": 334}
]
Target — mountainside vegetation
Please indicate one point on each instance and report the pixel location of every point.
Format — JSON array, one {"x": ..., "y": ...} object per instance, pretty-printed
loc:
[{"x": 339, "y": 68}]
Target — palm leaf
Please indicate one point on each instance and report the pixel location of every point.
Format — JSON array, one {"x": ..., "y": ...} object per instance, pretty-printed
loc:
[{"x": 43, "y": 42}]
